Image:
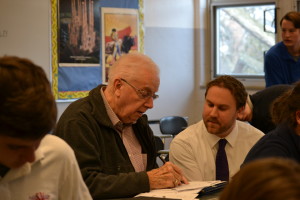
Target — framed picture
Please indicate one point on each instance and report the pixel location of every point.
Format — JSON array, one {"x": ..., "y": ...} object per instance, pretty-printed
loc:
[
  {"x": 87, "y": 37},
  {"x": 120, "y": 35}
]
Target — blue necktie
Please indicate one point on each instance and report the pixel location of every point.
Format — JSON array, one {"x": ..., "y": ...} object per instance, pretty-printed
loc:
[{"x": 222, "y": 172}]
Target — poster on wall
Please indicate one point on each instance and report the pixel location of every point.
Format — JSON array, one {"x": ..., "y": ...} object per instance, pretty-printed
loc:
[
  {"x": 87, "y": 37},
  {"x": 120, "y": 35}
]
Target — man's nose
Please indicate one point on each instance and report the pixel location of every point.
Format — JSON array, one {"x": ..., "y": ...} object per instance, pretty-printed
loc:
[
  {"x": 149, "y": 102},
  {"x": 214, "y": 111},
  {"x": 287, "y": 34}
]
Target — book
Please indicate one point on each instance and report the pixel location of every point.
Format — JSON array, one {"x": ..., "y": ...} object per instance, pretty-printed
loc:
[{"x": 212, "y": 189}]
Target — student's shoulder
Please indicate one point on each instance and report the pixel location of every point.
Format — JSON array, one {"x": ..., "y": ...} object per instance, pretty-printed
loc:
[
  {"x": 277, "y": 50},
  {"x": 52, "y": 144}
]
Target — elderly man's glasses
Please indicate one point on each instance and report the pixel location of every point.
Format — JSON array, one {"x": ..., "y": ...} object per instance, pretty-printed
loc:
[{"x": 143, "y": 94}]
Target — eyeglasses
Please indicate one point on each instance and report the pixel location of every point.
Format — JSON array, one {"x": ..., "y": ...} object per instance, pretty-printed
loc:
[{"x": 143, "y": 94}]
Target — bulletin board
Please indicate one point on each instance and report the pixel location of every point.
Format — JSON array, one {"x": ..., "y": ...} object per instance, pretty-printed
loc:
[{"x": 87, "y": 37}]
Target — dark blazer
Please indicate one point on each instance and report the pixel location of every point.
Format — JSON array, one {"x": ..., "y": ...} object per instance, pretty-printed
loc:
[{"x": 262, "y": 100}]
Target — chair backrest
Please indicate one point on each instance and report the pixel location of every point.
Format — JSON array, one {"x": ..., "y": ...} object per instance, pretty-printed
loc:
[{"x": 172, "y": 125}]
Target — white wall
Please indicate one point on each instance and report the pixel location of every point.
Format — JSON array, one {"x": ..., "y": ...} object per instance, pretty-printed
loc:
[
  {"x": 25, "y": 30},
  {"x": 169, "y": 40},
  {"x": 169, "y": 13}
]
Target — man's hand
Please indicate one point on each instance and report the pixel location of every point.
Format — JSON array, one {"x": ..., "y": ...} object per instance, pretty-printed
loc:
[
  {"x": 167, "y": 176},
  {"x": 245, "y": 114}
]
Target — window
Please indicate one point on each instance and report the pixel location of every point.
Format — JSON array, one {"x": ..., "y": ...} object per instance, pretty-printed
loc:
[{"x": 241, "y": 36}]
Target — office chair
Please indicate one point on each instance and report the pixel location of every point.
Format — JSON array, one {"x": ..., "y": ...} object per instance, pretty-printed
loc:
[{"x": 170, "y": 126}]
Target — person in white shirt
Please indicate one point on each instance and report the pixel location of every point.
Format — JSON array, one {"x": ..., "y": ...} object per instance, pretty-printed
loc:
[
  {"x": 195, "y": 149},
  {"x": 34, "y": 165}
]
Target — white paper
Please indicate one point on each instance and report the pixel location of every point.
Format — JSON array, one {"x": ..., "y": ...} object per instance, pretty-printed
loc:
[{"x": 185, "y": 191}]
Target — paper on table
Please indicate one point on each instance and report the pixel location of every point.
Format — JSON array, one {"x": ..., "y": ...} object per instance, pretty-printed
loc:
[
  {"x": 195, "y": 185},
  {"x": 169, "y": 193},
  {"x": 185, "y": 191}
]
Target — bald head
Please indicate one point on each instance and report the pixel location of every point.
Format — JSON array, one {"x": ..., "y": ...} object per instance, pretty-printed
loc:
[
  {"x": 131, "y": 66},
  {"x": 132, "y": 85}
]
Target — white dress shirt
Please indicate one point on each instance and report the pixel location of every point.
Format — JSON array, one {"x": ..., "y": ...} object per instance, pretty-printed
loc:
[{"x": 194, "y": 150}]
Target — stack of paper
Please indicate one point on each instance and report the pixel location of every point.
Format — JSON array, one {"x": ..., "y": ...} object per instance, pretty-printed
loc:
[{"x": 185, "y": 191}]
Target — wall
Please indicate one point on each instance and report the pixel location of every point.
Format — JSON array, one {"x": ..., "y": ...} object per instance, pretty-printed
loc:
[
  {"x": 170, "y": 39},
  {"x": 25, "y": 30}
]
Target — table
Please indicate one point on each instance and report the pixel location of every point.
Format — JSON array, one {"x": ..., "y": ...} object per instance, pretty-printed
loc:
[{"x": 205, "y": 197}]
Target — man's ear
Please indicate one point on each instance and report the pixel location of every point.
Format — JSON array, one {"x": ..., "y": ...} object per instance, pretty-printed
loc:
[
  {"x": 241, "y": 110},
  {"x": 117, "y": 85}
]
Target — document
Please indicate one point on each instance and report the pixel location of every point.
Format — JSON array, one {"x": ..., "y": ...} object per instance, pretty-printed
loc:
[{"x": 185, "y": 191}]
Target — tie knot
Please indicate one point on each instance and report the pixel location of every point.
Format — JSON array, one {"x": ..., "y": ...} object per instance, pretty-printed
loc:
[{"x": 222, "y": 143}]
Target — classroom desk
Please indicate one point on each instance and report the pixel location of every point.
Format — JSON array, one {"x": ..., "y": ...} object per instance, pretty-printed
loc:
[{"x": 205, "y": 197}]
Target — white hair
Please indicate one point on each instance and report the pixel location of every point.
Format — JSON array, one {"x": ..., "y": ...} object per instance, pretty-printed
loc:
[{"x": 129, "y": 65}]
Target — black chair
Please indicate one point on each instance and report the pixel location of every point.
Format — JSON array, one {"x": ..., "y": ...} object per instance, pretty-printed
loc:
[{"x": 170, "y": 126}]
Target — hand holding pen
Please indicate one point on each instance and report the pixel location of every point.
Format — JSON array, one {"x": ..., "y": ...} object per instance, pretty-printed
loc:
[{"x": 167, "y": 176}]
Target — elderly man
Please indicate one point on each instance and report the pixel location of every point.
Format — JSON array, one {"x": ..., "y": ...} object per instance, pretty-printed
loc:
[
  {"x": 33, "y": 163},
  {"x": 110, "y": 134},
  {"x": 215, "y": 147}
]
